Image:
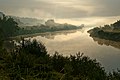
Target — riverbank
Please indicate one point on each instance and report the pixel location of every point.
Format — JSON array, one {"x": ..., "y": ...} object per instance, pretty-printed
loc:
[
  {"x": 108, "y": 32},
  {"x": 43, "y": 33},
  {"x": 108, "y": 35}
]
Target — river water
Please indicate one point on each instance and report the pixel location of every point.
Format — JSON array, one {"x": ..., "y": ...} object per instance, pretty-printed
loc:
[{"x": 70, "y": 42}]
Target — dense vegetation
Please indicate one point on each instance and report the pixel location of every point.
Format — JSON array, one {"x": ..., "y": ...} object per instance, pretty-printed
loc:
[
  {"x": 49, "y": 26},
  {"x": 42, "y": 29},
  {"x": 30, "y": 61},
  {"x": 108, "y": 32},
  {"x": 8, "y": 26}
]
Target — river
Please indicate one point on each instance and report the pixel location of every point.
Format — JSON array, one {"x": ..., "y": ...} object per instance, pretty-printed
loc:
[{"x": 70, "y": 42}]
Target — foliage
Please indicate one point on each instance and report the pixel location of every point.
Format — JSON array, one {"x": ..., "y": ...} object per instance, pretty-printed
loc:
[
  {"x": 44, "y": 28},
  {"x": 8, "y": 26},
  {"x": 108, "y": 32},
  {"x": 116, "y": 25},
  {"x": 30, "y": 61}
]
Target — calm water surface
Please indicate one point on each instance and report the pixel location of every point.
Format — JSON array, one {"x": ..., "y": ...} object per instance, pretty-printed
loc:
[{"x": 70, "y": 42}]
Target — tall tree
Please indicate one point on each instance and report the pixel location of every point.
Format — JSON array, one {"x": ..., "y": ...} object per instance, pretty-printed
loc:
[{"x": 8, "y": 26}]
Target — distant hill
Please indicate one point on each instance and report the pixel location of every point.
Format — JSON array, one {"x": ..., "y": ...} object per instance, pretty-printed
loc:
[
  {"x": 52, "y": 24},
  {"x": 24, "y": 21}
]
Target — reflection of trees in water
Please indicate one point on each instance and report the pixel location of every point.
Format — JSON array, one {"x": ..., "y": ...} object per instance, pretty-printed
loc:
[
  {"x": 107, "y": 42},
  {"x": 51, "y": 35}
]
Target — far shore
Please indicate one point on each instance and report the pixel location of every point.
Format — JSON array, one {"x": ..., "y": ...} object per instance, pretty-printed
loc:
[{"x": 40, "y": 33}]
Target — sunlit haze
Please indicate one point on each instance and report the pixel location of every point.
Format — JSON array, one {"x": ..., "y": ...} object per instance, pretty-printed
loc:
[{"x": 88, "y": 12}]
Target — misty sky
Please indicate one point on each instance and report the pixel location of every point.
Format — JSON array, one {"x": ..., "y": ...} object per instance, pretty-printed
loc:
[{"x": 63, "y": 9}]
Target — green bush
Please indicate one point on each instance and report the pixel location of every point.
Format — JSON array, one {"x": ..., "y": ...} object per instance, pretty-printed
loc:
[{"x": 30, "y": 61}]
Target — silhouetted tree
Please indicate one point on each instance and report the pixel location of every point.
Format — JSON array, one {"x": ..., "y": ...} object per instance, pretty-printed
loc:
[
  {"x": 8, "y": 26},
  {"x": 33, "y": 47}
]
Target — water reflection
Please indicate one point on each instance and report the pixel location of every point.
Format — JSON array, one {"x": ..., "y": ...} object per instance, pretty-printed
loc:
[
  {"x": 65, "y": 42},
  {"x": 51, "y": 35},
  {"x": 71, "y": 42},
  {"x": 107, "y": 42}
]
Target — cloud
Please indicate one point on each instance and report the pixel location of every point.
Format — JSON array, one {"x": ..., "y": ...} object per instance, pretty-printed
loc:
[
  {"x": 61, "y": 9},
  {"x": 107, "y": 8}
]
